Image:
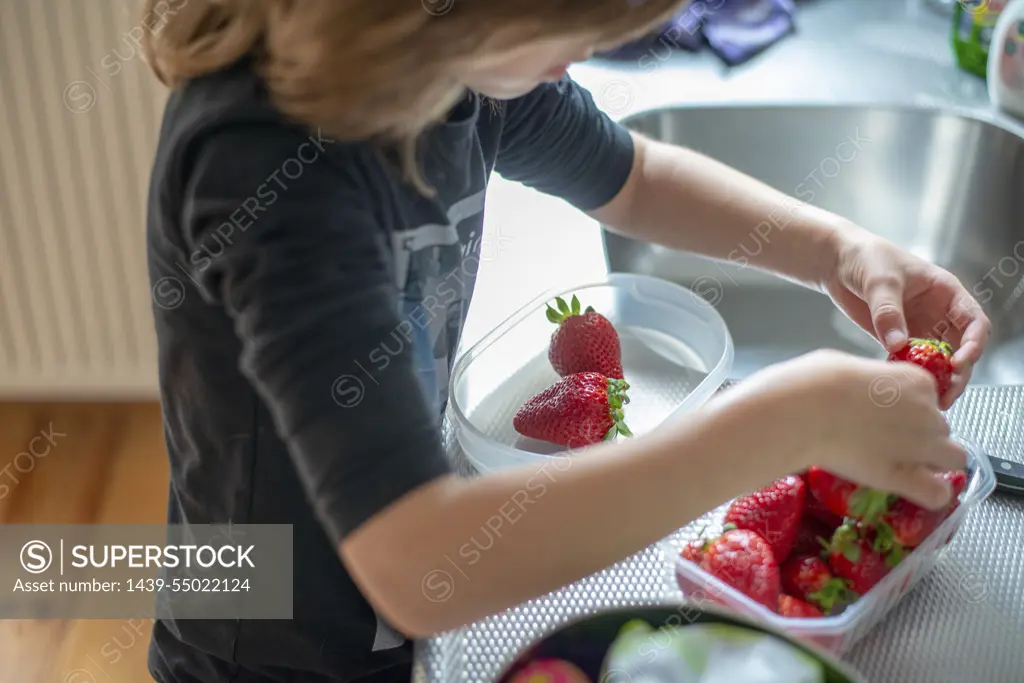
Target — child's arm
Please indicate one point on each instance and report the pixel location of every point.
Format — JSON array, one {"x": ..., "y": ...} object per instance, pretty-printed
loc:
[
  {"x": 536, "y": 530},
  {"x": 458, "y": 550},
  {"x": 685, "y": 200},
  {"x": 556, "y": 140}
]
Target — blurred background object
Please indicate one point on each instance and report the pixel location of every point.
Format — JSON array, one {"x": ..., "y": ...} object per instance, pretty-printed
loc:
[
  {"x": 974, "y": 26},
  {"x": 81, "y": 114},
  {"x": 81, "y": 437},
  {"x": 735, "y": 30},
  {"x": 1006, "y": 61},
  {"x": 942, "y": 6},
  {"x": 79, "y": 463}
]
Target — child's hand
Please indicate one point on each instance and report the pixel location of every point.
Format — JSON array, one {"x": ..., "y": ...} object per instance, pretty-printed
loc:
[
  {"x": 893, "y": 295},
  {"x": 858, "y": 418}
]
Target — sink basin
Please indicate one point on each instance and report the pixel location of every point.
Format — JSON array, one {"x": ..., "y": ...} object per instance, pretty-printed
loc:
[{"x": 948, "y": 188}]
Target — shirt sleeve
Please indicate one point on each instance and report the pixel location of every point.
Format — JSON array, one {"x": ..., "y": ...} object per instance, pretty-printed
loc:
[
  {"x": 309, "y": 289},
  {"x": 556, "y": 140}
]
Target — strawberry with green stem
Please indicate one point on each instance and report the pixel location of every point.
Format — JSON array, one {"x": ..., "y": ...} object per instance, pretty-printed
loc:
[
  {"x": 812, "y": 533},
  {"x": 905, "y": 525},
  {"x": 578, "y": 410},
  {"x": 845, "y": 498},
  {"x": 809, "y": 578},
  {"x": 585, "y": 341},
  {"x": 852, "y": 557},
  {"x": 934, "y": 355}
]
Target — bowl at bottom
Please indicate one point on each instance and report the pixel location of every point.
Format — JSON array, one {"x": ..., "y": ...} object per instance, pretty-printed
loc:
[
  {"x": 836, "y": 634},
  {"x": 585, "y": 642}
]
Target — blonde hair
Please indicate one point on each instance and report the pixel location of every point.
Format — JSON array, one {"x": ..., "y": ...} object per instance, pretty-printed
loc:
[{"x": 366, "y": 69}]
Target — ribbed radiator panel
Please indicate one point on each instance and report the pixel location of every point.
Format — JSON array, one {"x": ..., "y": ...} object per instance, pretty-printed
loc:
[{"x": 79, "y": 115}]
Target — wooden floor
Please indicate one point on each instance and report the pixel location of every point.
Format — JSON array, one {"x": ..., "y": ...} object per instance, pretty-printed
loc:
[{"x": 106, "y": 465}]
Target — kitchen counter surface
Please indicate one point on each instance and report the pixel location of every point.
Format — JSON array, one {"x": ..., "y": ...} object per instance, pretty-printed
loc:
[{"x": 965, "y": 624}]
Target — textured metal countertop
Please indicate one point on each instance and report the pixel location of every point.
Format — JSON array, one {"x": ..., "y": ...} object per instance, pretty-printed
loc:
[{"x": 964, "y": 623}]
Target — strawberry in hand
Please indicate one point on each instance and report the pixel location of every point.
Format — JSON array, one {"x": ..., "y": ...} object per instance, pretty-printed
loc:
[
  {"x": 584, "y": 341},
  {"x": 933, "y": 355},
  {"x": 893, "y": 294},
  {"x": 578, "y": 410},
  {"x": 774, "y": 512}
]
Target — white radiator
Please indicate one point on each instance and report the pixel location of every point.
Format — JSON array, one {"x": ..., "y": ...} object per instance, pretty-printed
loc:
[{"x": 79, "y": 115}]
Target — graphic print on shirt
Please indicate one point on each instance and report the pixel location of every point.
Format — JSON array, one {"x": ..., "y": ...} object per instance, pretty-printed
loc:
[{"x": 435, "y": 268}]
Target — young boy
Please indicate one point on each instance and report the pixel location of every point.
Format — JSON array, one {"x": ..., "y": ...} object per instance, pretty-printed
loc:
[{"x": 321, "y": 170}]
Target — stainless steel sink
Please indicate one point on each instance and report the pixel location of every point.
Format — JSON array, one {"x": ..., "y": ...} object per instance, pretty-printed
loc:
[{"x": 948, "y": 188}]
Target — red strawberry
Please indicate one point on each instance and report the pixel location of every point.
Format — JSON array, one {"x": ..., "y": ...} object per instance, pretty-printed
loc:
[
  {"x": 812, "y": 535},
  {"x": 905, "y": 525},
  {"x": 852, "y": 557},
  {"x": 845, "y": 498},
  {"x": 773, "y": 512},
  {"x": 908, "y": 525},
  {"x": 577, "y": 410},
  {"x": 744, "y": 560},
  {"x": 809, "y": 578},
  {"x": 694, "y": 551},
  {"x": 795, "y": 608},
  {"x": 816, "y": 510},
  {"x": 957, "y": 480},
  {"x": 583, "y": 342},
  {"x": 933, "y": 355}
]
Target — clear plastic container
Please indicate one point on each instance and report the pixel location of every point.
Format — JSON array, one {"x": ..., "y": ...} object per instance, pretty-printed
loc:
[
  {"x": 839, "y": 633},
  {"x": 676, "y": 352}
]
